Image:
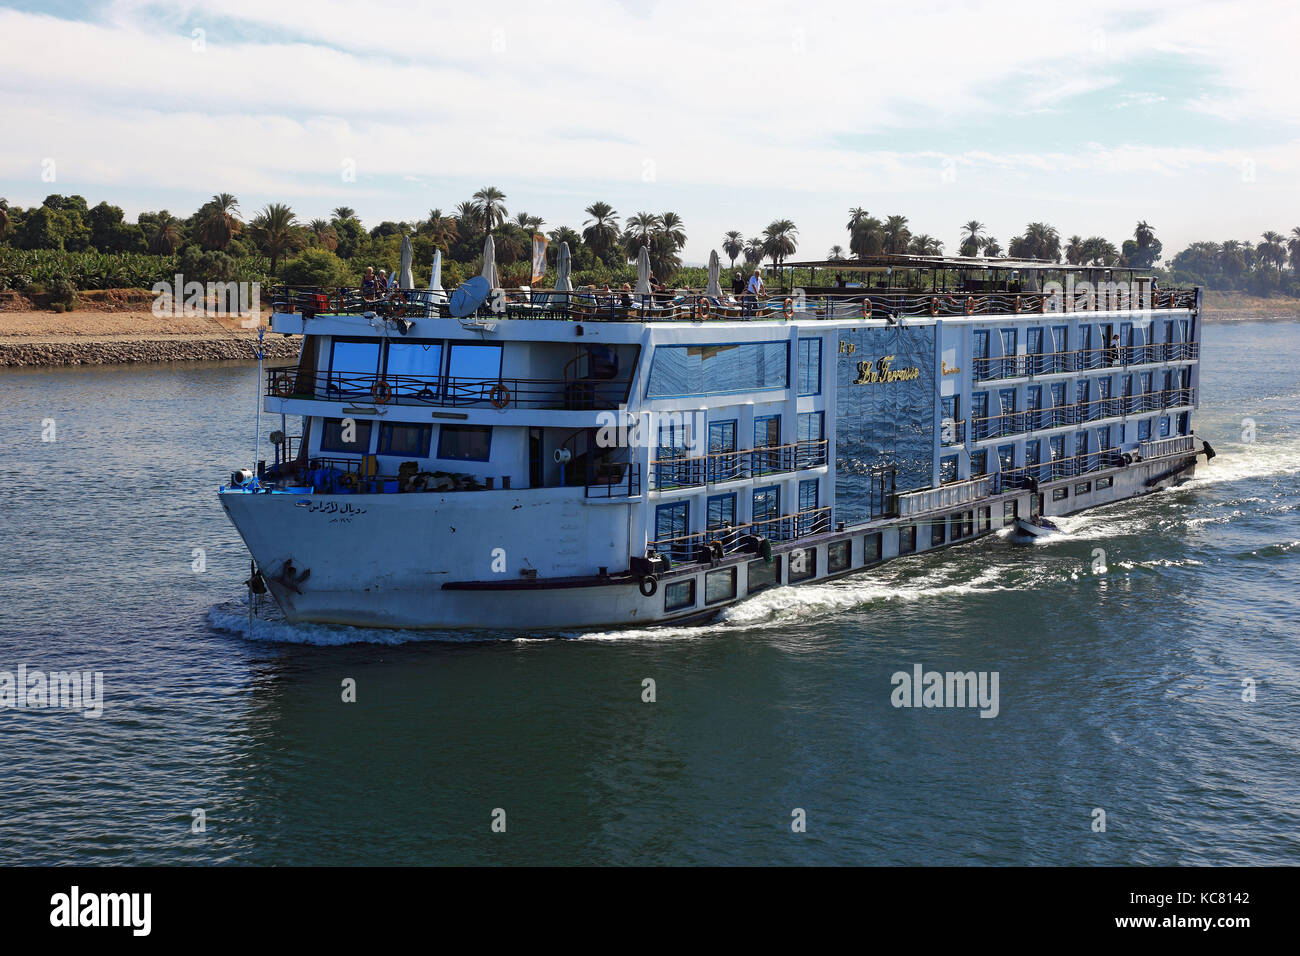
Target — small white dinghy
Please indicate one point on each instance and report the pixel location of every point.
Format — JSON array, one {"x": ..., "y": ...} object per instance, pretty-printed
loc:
[{"x": 1028, "y": 530}]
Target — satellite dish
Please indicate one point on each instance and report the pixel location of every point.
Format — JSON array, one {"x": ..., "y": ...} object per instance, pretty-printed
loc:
[{"x": 468, "y": 297}]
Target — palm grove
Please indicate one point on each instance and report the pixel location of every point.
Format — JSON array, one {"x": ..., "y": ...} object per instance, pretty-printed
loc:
[{"x": 64, "y": 245}]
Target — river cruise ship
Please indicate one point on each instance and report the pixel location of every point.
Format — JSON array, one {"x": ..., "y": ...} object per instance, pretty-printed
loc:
[{"x": 559, "y": 460}]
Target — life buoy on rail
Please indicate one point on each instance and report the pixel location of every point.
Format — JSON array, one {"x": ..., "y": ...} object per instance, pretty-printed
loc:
[
  {"x": 499, "y": 396},
  {"x": 283, "y": 386},
  {"x": 969, "y": 306},
  {"x": 1015, "y": 305},
  {"x": 704, "y": 307},
  {"x": 382, "y": 392},
  {"x": 648, "y": 584},
  {"x": 866, "y": 308},
  {"x": 787, "y": 309},
  {"x": 934, "y": 305}
]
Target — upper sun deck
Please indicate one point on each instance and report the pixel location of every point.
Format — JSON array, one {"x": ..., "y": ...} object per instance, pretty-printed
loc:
[{"x": 883, "y": 288}]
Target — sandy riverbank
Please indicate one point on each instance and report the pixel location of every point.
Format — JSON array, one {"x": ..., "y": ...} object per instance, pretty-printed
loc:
[{"x": 127, "y": 337}]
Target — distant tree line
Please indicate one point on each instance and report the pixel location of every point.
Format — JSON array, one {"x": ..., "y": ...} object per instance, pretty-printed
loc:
[{"x": 215, "y": 243}]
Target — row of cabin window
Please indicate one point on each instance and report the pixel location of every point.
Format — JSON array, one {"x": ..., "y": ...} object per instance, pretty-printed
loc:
[
  {"x": 455, "y": 442},
  {"x": 421, "y": 359},
  {"x": 720, "y": 584},
  {"x": 674, "y": 520},
  {"x": 674, "y": 437},
  {"x": 1007, "y": 397},
  {"x": 1175, "y": 331},
  {"x": 1056, "y": 448},
  {"x": 725, "y": 368}
]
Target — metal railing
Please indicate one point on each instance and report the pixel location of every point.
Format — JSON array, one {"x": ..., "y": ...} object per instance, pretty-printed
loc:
[
  {"x": 1039, "y": 419},
  {"x": 613, "y": 479},
  {"x": 693, "y": 548},
  {"x": 445, "y": 390},
  {"x": 667, "y": 471},
  {"x": 695, "y": 305},
  {"x": 945, "y": 496},
  {"x": 1060, "y": 468}
]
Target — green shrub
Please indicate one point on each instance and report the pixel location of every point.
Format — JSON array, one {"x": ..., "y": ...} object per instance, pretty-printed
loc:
[{"x": 317, "y": 267}]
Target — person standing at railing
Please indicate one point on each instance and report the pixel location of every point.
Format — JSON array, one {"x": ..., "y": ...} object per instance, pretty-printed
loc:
[
  {"x": 753, "y": 290},
  {"x": 369, "y": 285},
  {"x": 383, "y": 282},
  {"x": 738, "y": 285}
]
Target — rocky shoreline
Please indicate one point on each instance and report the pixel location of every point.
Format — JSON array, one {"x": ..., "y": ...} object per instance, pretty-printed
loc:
[{"x": 16, "y": 353}]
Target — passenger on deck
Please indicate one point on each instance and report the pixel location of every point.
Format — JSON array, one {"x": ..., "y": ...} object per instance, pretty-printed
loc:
[
  {"x": 369, "y": 285},
  {"x": 383, "y": 281},
  {"x": 752, "y": 292},
  {"x": 738, "y": 285},
  {"x": 625, "y": 300}
]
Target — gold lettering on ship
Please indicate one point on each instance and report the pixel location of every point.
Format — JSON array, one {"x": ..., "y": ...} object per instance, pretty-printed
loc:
[
  {"x": 881, "y": 372},
  {"x": 946, "y": 369}
]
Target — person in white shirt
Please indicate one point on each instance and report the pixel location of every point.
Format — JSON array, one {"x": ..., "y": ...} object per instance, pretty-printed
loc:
[{"x": 752, "y": 291}]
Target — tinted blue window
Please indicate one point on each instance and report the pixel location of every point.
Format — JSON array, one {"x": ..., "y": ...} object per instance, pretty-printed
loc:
[
  {"x": 465, "y": 442},
  {"x": 334, "y": 435},
  {"x": 722, "y": 511},
  {"x": 1164, "y": 426},
  {"x": 722, "y": 436},
  {"x": 353, "y": 366},
  {"x": 475, "y": 363},
  {"x": 672, "y": 521},
  {"x": 767, "y": 431},
  {"x": 407, "y": 441},
  {"x": 767, "y": 503},
  {"x": 811, "y": 426},
  {"x": 423, "y": 359},
  {"x": 808, "y": 495},
  {"x": 1144, "y": 430},
  {"x": 810, "y": 366},
  {"x": 718, "y": 369},
  {"x": 979, "y": 462},
  {"x": 947, "y": 469}
]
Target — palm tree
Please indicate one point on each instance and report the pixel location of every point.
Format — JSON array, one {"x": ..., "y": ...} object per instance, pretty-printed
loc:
[
  {"x": 324, "y": 234},
  {"x": 275, "y": 229},
  {"x": 780, "y": 239},
  {"x": 441, "y": 229},
  {"x": 836, "y": 253},
  {"x": 1041, "y": 241},
  {"x": 992, "y": 248},
  {"x": 564, "y": 234},
  {"x": 1294, "y": 245},
  {"x": 217, "y": 224},
  {"x": 1233, "y": 259},
  {"x": 601, "y": 230},
  {"x": 492, "y": 207},
  {"x": 532, "y": 223},
  {"x": 343, "y": 213},
  {"x": 639, "y": 231},
  {"x": 754, "y": 252},
  {"x": 469, "y": 218},
  {"x": 856, "y": 215},
  {"x": 972, "y": 238},
  {"x": 1097, "y": 251},
  {"x": 868, "y": 237},
  {"x": 733, "y": 244},
  {"x": 167, "y": 236},
  {"x": 1273, "y": 249},
  {"x": 672, "y": 226},
  {"x": 925, "y": 245},
  {"x": 897, "y": 234},
  {"x": 1074, "y": 251}
]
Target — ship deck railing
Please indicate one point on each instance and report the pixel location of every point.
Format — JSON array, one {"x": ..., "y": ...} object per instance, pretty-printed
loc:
[
  {"x": 1060, "y": 416},
  {"x": 1032, "y": 364},
  {"x": 1057, "y": 468},
  {"x": 696, "y": 305},
  {"x": 695, "y": 548},
  {"x": 445, "y": 390},
  {"x": 951, "y": 495},
  {"x": 668, "y": 471}
]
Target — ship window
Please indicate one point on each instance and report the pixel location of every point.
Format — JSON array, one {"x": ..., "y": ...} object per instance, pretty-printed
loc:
[
  {"x": 954, "y": 527},
  {"x": 423, "y": 360},
  {"x": 1144, "y": 429},
  {"x": 937, "y": 529},
  {"x": 838, "y": 555},
  {"x": 474, "y": 363},
  {"x": 1104, "y": 483},
  {"x": 678, "y": 370},
  {"x": 1008, "y": 511},
  {"x": 722, "y": 436},
  {"x": 979, "y": 462},
  {"x": 1083, "y": 488},
  {"x": 767, "y": 431},
  {"x": 354, "y": 363},
  {"x": 984, "y": 518},
  {"x": 1164, "y": 426},
  {"x": 808, "y": 495},
  {"x": 679, "y": 594},
  {"x": 766, "y": 504},
  {"x": 811, "y": 426},
  {"x": 1184, "y": 424},
  {"x": 947, "y": 469},
  {"x": 719, "y": 585},
  {"x": 762, "y": 575},
  {"x": 336, "y": 434},
  {"x": 803, "y": 564},
  {"x": 810, "y": 366},
  {"x": 907, "y": 539},
  {"x": 407, "y": 441},
  {"x": 871, "y": 548},
  {"x": 1060, "y": 494},
  {"x": 672, "y": 521},
  {"x": 465, "y": 442},
  {"x": 722, "y": 512}
]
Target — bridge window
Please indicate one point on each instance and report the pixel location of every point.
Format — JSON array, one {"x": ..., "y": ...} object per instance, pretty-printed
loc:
[
  {"x": 679, "y": 595},
  {"x": 719, "y": 585},
  {"x": 406, "y": 441},
  {"x": 420, "y": 359},
  {"x": 480, "y": 363}
]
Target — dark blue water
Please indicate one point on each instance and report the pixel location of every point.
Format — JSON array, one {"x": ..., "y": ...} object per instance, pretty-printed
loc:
[{"x": 1119, "y": 690}]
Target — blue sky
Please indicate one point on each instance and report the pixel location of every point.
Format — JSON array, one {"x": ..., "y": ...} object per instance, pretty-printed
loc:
[{"x": 731, "y": 114}]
